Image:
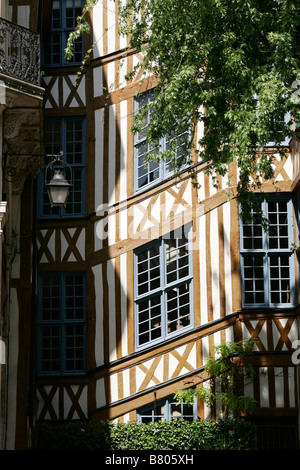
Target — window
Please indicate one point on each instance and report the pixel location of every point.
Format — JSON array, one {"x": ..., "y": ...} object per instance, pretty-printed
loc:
[
  {"x": 266, "y": 257},
  {"x": 147, "y": 172},
  {"x": 68, "y": 135},
  {"x": 163, "y": 288},
  {"x": 167, "y": 410},
  {"x": 64, "y": 15},
  {"x": 278, "y": 123},
  {"x": 277, "y": 134},
  {"x": 62, "y": 323}
]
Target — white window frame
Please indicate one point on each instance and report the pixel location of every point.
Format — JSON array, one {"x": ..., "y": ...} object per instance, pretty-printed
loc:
[
  {"x": 149, "y": 411},
  {"x": 268, "y": 254},
  {"x": 162, "y": 291},
  {"x": 162, "y": 166}
]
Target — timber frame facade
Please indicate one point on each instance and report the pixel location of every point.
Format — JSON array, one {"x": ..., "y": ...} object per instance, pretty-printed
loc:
[
  {"x": 101, "y": 366},
  {"x": 121, "y": 378}
]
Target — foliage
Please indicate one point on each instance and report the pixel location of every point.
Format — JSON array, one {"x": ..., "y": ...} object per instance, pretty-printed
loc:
[
  {"x": 228, "y": 371},
  {"x": 82, "y": 27},
  {"x": 232, "y": 65},
  {"x": 164, "y": 435}
]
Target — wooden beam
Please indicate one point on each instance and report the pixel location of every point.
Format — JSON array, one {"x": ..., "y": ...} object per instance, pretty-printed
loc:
[
  {"x": 132, "y": 403},
  {"x": 124, "y": 93}
]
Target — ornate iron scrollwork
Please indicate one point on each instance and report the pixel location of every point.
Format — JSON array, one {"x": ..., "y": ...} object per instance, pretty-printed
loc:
[{"x": 19, "y": 52}]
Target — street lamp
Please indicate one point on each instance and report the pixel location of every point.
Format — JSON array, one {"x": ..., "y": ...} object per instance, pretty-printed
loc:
[{"x": 58, "y": 187}]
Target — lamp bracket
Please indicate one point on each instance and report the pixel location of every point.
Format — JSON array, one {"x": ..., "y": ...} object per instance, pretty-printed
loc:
[{"x": 57, "y": 160}]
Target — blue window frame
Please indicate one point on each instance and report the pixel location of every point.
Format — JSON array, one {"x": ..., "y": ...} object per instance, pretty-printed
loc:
[
  {"x": 147, "y": 173},
  {"x": 267, "y": 262},
  {"x": 68, "y": 135},
  {"x": 167, "y": 410},
  {"x": 62, "y": 323},
  {"x": 64, "y": 15},
  {"x": 163, "y": 288}
]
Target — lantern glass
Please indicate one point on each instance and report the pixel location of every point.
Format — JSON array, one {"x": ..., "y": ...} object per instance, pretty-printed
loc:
[{"x": 58, "y": 189}]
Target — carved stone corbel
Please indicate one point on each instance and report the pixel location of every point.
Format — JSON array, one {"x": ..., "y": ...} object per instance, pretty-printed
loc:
[{"x": 23, "y": 145}]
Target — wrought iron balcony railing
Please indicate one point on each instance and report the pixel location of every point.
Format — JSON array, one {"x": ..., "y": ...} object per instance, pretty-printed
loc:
[{"x": 19, "y": 52}]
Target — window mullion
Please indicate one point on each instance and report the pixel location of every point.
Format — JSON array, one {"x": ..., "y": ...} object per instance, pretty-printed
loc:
[
  {"x": 64, "y": 138},
  {"x": 290, "y": 224},
  {"x": 264, "y": 206},
  {"x": 167, "y": 410},
  {"x": 190, "y": 252},
  {"x": 62, "y": 322},
  {"x": 163, "y": 162},
  {"x": 163, "y": 277},
  {"x": 61, "y": 30},
  {"x": 62, "y": 15},
  {"x": 266, "y": 257},
  {"x": 267, "y": 277}
]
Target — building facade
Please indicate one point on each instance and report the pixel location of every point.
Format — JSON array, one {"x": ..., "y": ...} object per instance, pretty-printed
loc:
[
  {"x": 140, "y": 275},
  {"x": 21, "y": 153}
]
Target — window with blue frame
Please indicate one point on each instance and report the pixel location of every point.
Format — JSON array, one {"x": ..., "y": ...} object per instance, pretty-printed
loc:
[
  {"x": 64, "y": 15},
  {"x": 167, "y": 410},
  {"x": 267, "y": 261},
  {"x": 149, "y": 172},
  {"x": 163, "y": 288},
  {"x": 66, "y": 135},
  {"x": 62, "y": 323}
]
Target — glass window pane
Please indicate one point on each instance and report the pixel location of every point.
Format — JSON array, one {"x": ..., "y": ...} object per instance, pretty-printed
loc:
[
  {"x": 278, "y": 229},
  {"x": 149, "y": 270},
  {"x": 168, "y": 409},
  {"x": 268, "y": 281},
  {"x": 50, "y": 298},
  {"x": 152, "y": 414},
  {"x": 181, "y": 411},
  {"x": 253, "y": 275},
  {"x": 178, "y": 307},
  {"x": 66, "y": 135},
  {"x": 50, "y": 349},
  {"x": 280, "y": 280},
  {"x": 147, "y": 170},
  {"x": 252, "y": 233},
  {"x": 74, "y": 297},
  {"x": 177, "y": 257},
  {"x": 74, "y": 348},
  {"x": 149, "y": 320},
  {"x": 164, "y": 285},
  {"x": 64, "y": 16},
  {"x": 177, "y": 142},
  {"x": 62, "y": 323}
]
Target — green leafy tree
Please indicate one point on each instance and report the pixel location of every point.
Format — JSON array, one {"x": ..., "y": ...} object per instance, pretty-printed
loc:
[
  {"x": 231, "y": 65},
  {"x": 228, "y": 372}
]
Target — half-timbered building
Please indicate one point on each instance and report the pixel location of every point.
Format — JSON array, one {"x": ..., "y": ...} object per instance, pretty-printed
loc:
[{"x": 142, "y": 273}]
